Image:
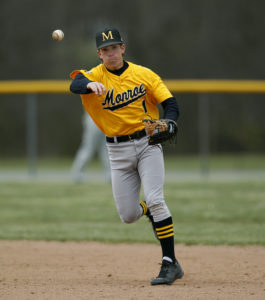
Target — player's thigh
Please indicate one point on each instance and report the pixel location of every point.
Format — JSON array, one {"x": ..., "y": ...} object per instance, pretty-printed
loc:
[
  {"x": 125, "y": 179},
  {"x": 152, "y": 173},
  {"x": 126, "y": 191}
]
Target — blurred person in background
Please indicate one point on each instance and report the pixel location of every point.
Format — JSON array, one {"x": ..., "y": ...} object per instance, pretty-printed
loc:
[{"x": 93, "y": 142}]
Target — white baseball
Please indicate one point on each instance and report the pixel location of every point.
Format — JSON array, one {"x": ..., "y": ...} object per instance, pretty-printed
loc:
[{"x": 58, "y": 35}]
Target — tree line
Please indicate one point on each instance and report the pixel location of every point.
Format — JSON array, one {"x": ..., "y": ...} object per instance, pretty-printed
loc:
[{"x": 177, "y": 39}]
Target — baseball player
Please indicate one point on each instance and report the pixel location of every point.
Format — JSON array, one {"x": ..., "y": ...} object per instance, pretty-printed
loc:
[
  {"x": 93, "y": 141},
  {"x": 119, "y": 95}
]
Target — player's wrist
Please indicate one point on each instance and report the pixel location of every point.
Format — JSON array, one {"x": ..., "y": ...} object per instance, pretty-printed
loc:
[{"x": 88, "y": 86}]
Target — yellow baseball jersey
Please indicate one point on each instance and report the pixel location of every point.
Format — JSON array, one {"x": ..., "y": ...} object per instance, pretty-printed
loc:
[{"x": 129, "y": 98}]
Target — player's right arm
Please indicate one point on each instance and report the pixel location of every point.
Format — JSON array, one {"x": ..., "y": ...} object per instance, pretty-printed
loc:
[{"x": 82, "y": 85}]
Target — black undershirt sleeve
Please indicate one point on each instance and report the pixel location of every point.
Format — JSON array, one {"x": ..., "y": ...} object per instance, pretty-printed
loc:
[
  {"x": 78, "y": 85},
  {"x": 171, "y": 109}
]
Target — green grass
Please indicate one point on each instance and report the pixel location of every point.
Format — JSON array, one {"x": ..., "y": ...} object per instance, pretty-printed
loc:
[
  {"x": 204, "y": 213},
  {"x": 176, "y": 162},
  {"x": 216, "y": 162}
]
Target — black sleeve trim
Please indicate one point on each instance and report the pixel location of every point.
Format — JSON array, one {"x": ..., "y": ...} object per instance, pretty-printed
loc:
[
  {"x": 78, "y": 85},
  {"x": 171, "y": 109}
]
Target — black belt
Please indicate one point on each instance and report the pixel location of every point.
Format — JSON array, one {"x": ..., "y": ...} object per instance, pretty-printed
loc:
[{"x": 125, "y": 138}]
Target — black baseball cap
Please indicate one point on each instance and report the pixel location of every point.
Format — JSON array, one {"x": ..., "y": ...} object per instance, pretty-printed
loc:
[{"x": 107, "y": 37}]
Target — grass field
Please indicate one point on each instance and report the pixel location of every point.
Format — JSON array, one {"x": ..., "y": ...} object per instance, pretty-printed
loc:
[
  {"x": 178, "y": 162},
  {"x": 204, "y": 213}
]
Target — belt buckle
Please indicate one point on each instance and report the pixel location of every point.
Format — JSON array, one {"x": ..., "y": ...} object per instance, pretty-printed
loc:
[{"x": 130, "y": 139}]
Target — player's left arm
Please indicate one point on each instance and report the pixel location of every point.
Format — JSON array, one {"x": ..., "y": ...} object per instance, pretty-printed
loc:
[
  {"x": 163, "y": 96},
  {"x": 171, "y": 109},
  {"x": 165, "y": 129},
  {"x": 171, "y": 113}
]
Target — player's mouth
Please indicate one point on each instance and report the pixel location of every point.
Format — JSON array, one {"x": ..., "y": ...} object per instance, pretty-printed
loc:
[{"x": 112, "y": 59}]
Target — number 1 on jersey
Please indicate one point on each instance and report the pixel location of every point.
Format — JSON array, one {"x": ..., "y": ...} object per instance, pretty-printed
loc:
[{"x": 144, "y": 106}]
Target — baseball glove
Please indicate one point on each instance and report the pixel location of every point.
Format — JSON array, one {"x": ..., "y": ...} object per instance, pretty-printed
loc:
[{"x": 160, "y": 131}]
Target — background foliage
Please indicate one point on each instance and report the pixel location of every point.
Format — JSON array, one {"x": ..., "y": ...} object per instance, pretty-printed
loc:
[{"x": 177, "y": 39}]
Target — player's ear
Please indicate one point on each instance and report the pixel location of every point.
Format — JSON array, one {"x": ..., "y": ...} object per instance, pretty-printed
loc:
[
  {"x": 99, "y": 54},
  {"x": 123, "y": 48}
]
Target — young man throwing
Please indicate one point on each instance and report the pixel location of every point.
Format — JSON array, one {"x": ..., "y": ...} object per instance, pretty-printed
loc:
[{"x": 119, "y": 95}]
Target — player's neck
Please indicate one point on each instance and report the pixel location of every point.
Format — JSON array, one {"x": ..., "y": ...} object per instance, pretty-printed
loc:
[{"x": 120, "y": 70}]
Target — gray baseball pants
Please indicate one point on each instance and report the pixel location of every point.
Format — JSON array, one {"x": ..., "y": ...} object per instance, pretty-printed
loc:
[{"x": 135, "y": 163}]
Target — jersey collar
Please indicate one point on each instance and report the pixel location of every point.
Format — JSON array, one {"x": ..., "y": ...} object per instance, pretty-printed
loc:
[{"x": 121, "y": 70}]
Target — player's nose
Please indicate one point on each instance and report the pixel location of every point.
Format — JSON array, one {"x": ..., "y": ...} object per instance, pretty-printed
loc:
[{"x": 110, "y": 53}]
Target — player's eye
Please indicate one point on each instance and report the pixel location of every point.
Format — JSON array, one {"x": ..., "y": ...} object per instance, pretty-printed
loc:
[{"x": 115, "y": 47}]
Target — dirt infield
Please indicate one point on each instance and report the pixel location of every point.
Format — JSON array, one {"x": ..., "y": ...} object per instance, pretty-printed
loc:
[{"x": 89, "y": 270}]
